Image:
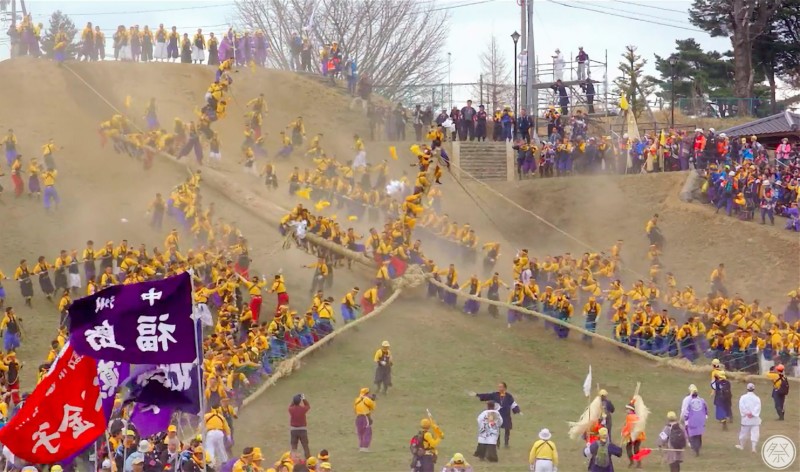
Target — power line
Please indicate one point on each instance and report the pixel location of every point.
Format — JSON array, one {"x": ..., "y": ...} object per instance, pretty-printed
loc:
[
  {"x": 453, "y": 7},
  {"x": 651, "y": 6},
  {"x": 650, "y": 22},
  {"x": 199, "y": 7},
  {"x": 684, "y": 21}
]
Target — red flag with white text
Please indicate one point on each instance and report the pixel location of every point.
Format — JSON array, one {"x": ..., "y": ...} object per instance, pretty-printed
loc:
[{"x": 63, "y": 414}]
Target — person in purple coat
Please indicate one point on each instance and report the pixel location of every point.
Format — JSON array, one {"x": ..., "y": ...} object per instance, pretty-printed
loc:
[
  {"x": 694, "y": 415},
  {"x": 505, "y": 401},
  {"x": 600, "y": 452}
]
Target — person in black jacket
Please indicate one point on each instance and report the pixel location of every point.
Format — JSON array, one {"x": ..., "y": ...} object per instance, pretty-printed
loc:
[
  {"x": 588, "y": 88},
  {"x": 507, "y": 405}
]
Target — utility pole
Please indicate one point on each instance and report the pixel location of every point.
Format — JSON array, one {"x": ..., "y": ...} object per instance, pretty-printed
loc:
[
  {"x": 480, "y": 100},
  {"x": 532, "y": 94},
  {"x": 523, "y": 25}
]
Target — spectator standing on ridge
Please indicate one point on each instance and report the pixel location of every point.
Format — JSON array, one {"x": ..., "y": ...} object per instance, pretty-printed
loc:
[
  {"x": 583, "y": 64},
  {"x": 524, "y": 125},
  {"x": 480, "y": 128},
  {"x": 468, "y": 122},
  {"x": 417, "y": 121},
  {"x": 298, "y": 426},
  {"x": 296, "y": 47}
]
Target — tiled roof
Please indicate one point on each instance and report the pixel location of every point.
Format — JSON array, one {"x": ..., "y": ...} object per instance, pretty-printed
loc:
[{"x": 785, "y": 122}]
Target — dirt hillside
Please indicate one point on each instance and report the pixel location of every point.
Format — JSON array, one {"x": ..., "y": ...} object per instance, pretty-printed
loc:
[
  {"x": 761, "y": 260},
  {"x": 98, "y": 187}
]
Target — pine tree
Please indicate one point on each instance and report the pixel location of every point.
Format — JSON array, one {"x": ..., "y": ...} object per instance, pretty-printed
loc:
[
  {"x": 60, "y": 21},
  {"x": 632, "y": 83}
]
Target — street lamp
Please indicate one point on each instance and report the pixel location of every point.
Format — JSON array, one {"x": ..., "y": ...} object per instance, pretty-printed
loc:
[
  {"x": 515, "y": 37},
  {"x": 672, "y": 62}
]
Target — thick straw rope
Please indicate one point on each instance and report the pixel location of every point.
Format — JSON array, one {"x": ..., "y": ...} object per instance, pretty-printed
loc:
[{"x": 271, "y": 213}]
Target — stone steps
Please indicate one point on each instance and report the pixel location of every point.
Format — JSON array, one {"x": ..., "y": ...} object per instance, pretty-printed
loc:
[{"x": 484, "y": 160}]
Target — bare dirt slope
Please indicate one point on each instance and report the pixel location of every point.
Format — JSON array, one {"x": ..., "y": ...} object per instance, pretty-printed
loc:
[
  {"x": 98, "y": 187},
  {"x": 761, "y": 261}
]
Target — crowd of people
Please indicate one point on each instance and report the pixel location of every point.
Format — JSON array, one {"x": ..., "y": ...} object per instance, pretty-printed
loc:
[
  {"x": 712, "y": 325},
  {"x": 240, "y": 347},
  {"x": 747, "y": 184},
  {"x": 41, "y": 175},
  {"x": 240, "y": 350},
  {"x": 653, "y": 313}
]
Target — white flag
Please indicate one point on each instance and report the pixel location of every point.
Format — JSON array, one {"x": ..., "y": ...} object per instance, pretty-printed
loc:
[{"x": 587, "y": 384}]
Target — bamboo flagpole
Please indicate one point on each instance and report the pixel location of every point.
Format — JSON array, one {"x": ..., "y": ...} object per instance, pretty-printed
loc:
[{"x": 198, "y": 344}]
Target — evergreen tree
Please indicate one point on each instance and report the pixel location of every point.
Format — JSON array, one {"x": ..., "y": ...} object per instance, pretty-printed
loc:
[
  {"x": 632, "y": 83},
  {"x": 697, "y": 74},
  {"x": 60, "y": 21}
]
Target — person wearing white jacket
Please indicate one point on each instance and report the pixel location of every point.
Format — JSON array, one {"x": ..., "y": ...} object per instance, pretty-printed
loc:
[
  {"x": 489, "y": 423},
  {"x": 750, "y": 412}
]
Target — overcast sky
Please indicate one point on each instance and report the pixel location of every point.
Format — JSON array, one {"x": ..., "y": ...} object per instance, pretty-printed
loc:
[{"x": 472, "y": 24}]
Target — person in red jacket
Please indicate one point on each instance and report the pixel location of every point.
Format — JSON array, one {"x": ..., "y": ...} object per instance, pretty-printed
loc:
[{"x": 298, "y": 427}]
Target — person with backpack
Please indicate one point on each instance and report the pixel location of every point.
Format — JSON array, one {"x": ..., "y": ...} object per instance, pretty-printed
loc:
[
  {"x": 750, "y": 412},
  {"x": 694, "y": 414},
  {"x": 722, "y": 399},
  {"x": 780, "y": 389},
  {"x": 600, "y": 452},
  {"x": 673, "y": 441},
  {"x": 425, "y": 453},
  {"x": 543, "y": 456}
]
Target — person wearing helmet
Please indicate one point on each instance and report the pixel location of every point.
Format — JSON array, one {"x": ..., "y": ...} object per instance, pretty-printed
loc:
[
  {"x": 780, "y": 389},
  {"x": 722, "y": 399},
  {"x": 431, "y": 436}
]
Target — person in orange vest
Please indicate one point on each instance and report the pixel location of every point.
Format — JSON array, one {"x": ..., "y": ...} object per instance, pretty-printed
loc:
[{"x": 633, "y": 431}]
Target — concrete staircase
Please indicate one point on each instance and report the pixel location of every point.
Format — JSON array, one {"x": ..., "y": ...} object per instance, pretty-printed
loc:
[{"x": 484, "y": 160}]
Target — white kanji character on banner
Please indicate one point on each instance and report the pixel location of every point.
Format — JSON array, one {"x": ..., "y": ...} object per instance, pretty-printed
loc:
[
  {"x": 154, "y": 332},
  {"x": 73, "y": 420},
  {"x": 109, "y": 377},
  {"x": 43, "y": 439},
  {"x": 102, "y": 337},
  {"x": 151, "y": 296},
  {"x": 101, "y": 303}
]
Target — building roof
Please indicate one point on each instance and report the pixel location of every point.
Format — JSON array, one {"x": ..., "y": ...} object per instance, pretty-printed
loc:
[{"x": 784, "y": 123}]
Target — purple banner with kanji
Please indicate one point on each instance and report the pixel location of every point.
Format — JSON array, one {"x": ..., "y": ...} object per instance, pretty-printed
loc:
[{"x": 144, "y": 323}]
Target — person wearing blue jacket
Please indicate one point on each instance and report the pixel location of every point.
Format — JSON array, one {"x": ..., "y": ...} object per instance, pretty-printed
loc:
[{"x": 506, "y": 406}]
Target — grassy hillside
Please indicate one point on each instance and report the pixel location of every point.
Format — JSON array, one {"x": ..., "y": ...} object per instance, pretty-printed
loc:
[{"x": 439, "y": 354}]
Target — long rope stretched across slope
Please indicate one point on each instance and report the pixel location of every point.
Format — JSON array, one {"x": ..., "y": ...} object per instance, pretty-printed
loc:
[{"x": 270, "y": 212}]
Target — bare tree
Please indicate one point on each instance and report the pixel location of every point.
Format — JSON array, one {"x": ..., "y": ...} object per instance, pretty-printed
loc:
[
  {"x": 395, "y": 43},
  {"x": 498, "y": 86}
]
